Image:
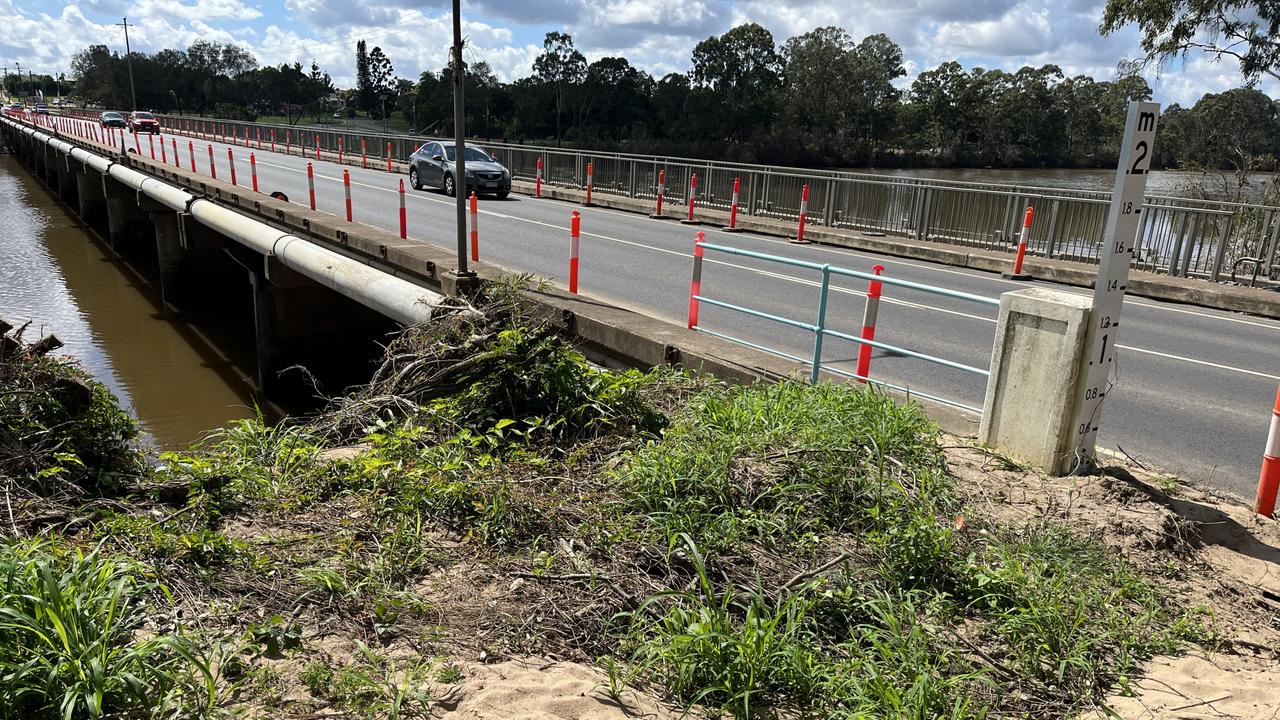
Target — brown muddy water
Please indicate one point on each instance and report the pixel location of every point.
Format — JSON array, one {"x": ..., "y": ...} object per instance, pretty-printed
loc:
[{"x": 54, "y": 273}]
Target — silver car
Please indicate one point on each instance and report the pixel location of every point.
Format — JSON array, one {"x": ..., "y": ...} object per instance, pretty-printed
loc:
[{"x": 434, "y": 165}]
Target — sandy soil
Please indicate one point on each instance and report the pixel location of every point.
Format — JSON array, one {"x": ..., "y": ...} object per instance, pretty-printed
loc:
[
  {"x": 1216, "y": 551},
  {"x": 532, "y": 689}
]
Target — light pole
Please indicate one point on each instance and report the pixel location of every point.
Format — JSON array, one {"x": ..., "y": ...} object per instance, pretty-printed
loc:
[
  {"x": 383, "y": 97},
  {"x": 128, "y": 56},
  {"x": 460, "y": 140}
]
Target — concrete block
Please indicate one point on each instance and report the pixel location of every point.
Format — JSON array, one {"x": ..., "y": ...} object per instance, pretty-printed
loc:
[{"x": 1035, "y": 370}]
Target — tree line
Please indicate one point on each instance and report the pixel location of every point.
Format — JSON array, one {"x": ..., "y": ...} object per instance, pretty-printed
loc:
[
  {"x": 208, "y": 78},
  {"x": 820, "y": 98}
]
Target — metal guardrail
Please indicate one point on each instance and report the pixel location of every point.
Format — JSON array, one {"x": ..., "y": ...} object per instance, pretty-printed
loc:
[
  {"x": 1179, "y": 236},
  {"x": 819, "y": 327}
]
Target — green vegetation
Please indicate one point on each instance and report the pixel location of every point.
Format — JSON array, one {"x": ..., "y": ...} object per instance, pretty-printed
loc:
[
  {"x": 751, "y": 97},
  {"x": 778, "y": 550}
]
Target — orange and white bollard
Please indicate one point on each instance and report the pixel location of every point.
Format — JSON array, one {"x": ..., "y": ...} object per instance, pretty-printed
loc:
[
  {"x": 253, "y": 171},
  {"x": 346, "y": 189},
  {"x": 389, "y": 158},
  {"x": 177, "y": 162},
  {"x": 273, "y": 139},
  {"x": 733, "y": 208},
  {"x": 589, "y": 183},
  {"x": 1269, "y": 480},
  {"x": 693, "y": 198},
  {"x": 475, "y": 226},
  {"x": 231, "y": 161},
  {"x": 317, "y": 146},
  {"x": 213, "y": 168},
  {"x": 246, "y": 136},
  {"x": 575, "y": 230},
  {"x": 258, "y": 136},
  {"x": 804, "y": 213},
  {"x": 164, "y": 155},
  {"x": 662, "y": 187},
  {"x": 874, "y": 288},
  {"x": 537, "y": 183},
  {"x": 339, "y": 149},
  {"x": 151, "y": 143},
  {"x": 288, "y": 142},
  {"x": 137, "y": 146},
  {"x": 364, "y": 157},
  {"x": 191, "y": 149},
  {"x": 695, "y": 285},
  {"x": 1017, "y": 273},
  {"x": 404, "y": 218},
  {"x": 311, "y": 186}
]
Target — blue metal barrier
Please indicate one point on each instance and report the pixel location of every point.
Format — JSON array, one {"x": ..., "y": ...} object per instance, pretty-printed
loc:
[{"x": 818, "y": 327}]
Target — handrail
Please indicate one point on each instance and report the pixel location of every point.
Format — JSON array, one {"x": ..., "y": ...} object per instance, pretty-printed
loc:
[{"x": 818, "y": 327}]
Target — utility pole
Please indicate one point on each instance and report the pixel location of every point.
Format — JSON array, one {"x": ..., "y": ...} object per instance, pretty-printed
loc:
[
  {"x": 19, "y": 90},
  {"x": 128, "y": 56},
  {"x": 460, "y": 140}
]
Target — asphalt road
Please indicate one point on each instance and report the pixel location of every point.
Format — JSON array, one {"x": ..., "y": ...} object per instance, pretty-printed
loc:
[{"x": 1192, "y": 395}]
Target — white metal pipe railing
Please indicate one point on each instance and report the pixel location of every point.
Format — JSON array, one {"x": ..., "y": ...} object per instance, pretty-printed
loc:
[{"x": 391, "y": 296}]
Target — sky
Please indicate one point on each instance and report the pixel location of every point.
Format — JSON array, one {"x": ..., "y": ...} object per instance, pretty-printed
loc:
[{"x": 657, "y": 35}]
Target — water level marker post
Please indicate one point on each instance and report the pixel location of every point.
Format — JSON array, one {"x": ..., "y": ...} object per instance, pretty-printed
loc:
[{"x": 1118, "y": 243}]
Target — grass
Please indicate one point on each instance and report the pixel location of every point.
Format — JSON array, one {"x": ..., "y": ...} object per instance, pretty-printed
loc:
[
  {"x": 74, "y": 641},
  {"x": 776, "y": 550}
]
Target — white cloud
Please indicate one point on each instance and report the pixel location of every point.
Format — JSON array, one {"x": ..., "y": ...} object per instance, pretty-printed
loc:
[{"x": 657, "y": 35}]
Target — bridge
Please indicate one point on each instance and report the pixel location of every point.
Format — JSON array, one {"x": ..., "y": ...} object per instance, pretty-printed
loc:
[{"x": 1192, "y": 394}]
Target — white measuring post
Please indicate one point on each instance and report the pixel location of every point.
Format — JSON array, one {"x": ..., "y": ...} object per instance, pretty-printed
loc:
[{"x": 1118, "y": 243}]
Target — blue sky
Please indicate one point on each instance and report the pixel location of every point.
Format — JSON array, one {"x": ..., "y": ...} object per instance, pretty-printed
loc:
[{"x": 655, "y": 34}]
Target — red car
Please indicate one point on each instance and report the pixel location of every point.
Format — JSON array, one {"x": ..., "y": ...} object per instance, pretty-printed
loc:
[{"x": 144, "y": 122}]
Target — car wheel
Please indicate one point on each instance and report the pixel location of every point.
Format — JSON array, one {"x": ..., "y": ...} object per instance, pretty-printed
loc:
[
  {"x": 449, "y": 189},
  {"x": 503, "y": 195},
  {"x": 414, "y": 181}
]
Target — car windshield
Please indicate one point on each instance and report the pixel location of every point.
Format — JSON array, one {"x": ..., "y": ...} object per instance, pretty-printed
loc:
[
  {"x": 111, "y": 116},
  {"x": 473, "y": 154},
  {"x": 143, "y": 116}
]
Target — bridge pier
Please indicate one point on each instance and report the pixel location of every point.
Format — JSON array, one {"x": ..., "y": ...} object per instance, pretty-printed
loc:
[
  {"x": 67, "y": 189},
  {"x": 297, "y": 321},
  {"x": 89, "y": 199},
  {"x": 188, "y": 256},
  {"x": 127, "y": 226}
]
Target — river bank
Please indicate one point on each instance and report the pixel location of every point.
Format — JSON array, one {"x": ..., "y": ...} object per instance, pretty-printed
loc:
[{"x": 658, "y": 541}]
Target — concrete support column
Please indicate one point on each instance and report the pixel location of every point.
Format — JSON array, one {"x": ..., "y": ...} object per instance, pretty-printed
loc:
[
  {"x": 65, "y": 184},
  {"x": 299, "y": 322},
  {"x": 1035, "y": 377},
  {"x": 127, "y": 226},
  {"x": 93, "y": 206}
]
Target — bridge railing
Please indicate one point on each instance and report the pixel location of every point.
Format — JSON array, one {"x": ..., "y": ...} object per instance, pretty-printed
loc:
[
  {"x": 822, "y": 329},
  {"x": 1179, "y": 236}
]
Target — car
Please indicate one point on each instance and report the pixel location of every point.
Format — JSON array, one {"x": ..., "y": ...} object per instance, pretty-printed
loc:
[
  {"x": 144, "y": 122},
  {"x": 112, "y": 119},
  {"x": 434, "y": 164},
  {"x": 17, "y": 107},
  {"x": 42, "y": 109}
]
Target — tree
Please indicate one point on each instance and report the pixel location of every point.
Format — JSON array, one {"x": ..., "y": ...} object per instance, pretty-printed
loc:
[
  {"x": 816, "y": 62},
  {"x": 878, "y": 62},
  {"x": 1246, "y": 31},
  {"x": 381, "y": 79},
  {"x": 364, "y": 79},
  {"x": 617, "y": 97},
  {"x": 560, "y": 65},
  {"x": 743, "y": 70}
]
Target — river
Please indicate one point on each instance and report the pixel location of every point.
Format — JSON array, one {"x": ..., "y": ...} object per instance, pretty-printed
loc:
[
  {"x": 55, "y": 275},
  {"x": 1159, "y": 182}
]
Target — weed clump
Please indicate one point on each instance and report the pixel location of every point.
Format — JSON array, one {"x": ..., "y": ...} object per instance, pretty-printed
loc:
[
  {"x": 78, "y": 640},
  {"x": 61, "y": 431}
]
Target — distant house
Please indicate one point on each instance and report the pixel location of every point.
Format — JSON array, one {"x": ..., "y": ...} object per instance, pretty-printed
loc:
[{"x": 335, "y": 102}]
